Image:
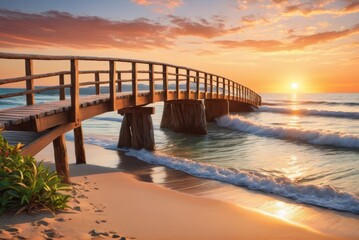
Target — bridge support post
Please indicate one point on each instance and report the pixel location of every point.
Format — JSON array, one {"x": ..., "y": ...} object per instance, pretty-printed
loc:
[
  {"x": 61, "y": 161},
  {"x": 79, "y": 146},
  {"x": 235, "y": 106},
  {"x": 216, "y": 108},
  {"x": 137, "y": 128},
  {"x": 184, "y": 116}
]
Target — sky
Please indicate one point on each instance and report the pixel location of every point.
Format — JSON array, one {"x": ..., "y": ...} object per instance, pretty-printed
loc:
[{"x": 266, "y": 45}]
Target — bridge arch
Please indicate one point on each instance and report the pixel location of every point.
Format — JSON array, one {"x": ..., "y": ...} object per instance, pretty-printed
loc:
[{"x": 127, "y": 83}]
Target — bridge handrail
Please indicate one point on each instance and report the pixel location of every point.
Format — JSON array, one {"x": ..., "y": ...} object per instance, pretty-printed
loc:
[{"x": 212, "y": 84}]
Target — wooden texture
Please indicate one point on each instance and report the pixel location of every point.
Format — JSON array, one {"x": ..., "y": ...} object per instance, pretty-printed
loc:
[
  {"x": 134, "y": 84},
  {"x": 97, "y": 86},
  {"x": 79, "y": 146},
  {"x": 137, "y": 131},
  {"x": 112, "y": 79},
  {"x": 185, "y": 117},
  {"x": 62, "y": 90},
  {"x": 75, "y": 92},
  {"x": 216, "y": 108},
  {"x": 152, "y": 83},
  {"x": 235, "y": 106},
  {"x": 143, "y": 110},
  {"x": 30, "y": 100},
  {"x": 61, "y": 161}
]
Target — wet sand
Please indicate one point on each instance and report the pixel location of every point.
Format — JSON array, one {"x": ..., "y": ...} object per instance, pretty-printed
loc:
[{"x": 125, "y": 202}]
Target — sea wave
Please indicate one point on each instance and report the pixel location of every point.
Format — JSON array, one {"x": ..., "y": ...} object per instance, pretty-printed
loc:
[
  {"x": 324, "y": 196},
  {"x": 310, "y": 112},
  {"x": 281, "y": 102},
  {"x": 309, "y": 136}
]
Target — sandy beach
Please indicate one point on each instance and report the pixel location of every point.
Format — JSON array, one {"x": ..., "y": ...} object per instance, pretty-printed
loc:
[{"x": 108, "y": 203}]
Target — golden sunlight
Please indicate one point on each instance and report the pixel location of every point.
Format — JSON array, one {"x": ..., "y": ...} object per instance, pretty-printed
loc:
[{"x": 294, "y": 85}]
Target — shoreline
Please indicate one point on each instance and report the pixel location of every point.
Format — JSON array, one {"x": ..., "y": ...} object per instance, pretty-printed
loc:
[{"x": 143, "y": 210}]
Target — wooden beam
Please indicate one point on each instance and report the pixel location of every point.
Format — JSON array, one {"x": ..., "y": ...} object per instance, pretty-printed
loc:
[
  {"x": 152, "y": 83},
  {"x": 197, "y": 84},
  {"x": 188, "y": 89},
  {"x": 112, "y": 74},
  {"x": 62, "y": 90},
  {"x": 119, "y": 82},
  {"x": 97, "y": 80},
  {"x": 29, "y": 82},
  {"x": 177, "y": 83},
  {"x": 61, "y": 161},
  {"x": 217, "y": 89},
  {"x": 40, "y": 143},
  {"x": 79, "y": 146},
  {"x": 143, "y": 110},
  {"x": 75, "y": 92},
  {"x": 165, "y": 80},
  {"x": 134, "y": 84}
]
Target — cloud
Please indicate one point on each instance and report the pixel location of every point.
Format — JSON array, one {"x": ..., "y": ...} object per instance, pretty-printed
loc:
[
  {"x": 202, "y": 28},
  {"x": 160, "y": 5},
  {"x": 319, "y": 7},
  {"x": 61, "y": 29},
  {"x": 298, "y": 42}
]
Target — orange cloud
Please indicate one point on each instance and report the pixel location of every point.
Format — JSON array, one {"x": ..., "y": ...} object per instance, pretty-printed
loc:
[
  {"x": 53, "y": 28},
  {"x": 299, "y": 42}
]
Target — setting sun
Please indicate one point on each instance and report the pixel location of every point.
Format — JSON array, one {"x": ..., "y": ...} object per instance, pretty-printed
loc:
[{"x": 294, "y": 85}]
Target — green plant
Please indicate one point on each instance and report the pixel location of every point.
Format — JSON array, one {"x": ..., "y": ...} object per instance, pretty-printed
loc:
[{"x": 27, "y": 185}]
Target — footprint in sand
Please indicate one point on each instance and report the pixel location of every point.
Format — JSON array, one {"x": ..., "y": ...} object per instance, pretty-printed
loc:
[{"x": 52, "y": 233}]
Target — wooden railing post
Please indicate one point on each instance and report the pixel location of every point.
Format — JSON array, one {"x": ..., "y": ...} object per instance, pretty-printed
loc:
[
  {"x": 224, "y": 88},
  {"x": 188, "y": 83},
  {"x": 119, "y": 83},
  {"x": 197, "y": 85},
  {"x": 112, "y": 79},
  {"x": 229, "y": 89},
  {"x": 29, "y": 82},
  {"x": 134, "y": 84},
  {"x": 152, "y": 82},
  {"x": 177, "y": 84},
  {"x": 217, "y": 88},
  {"x": 62, "y": 90},
  {"x": 97, "y": 80},
  {"x": 205, "y": 85},
  {"x": 75, "y": 92},
  {"x": 237, "y": 88},
  {"x": 211, "y": 87},
  {"x": 165, "y": 81}
]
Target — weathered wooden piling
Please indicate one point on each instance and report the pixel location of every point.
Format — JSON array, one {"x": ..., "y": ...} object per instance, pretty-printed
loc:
[
  {"x": 184, "y": 116},
  {"x": 216, "y": 108},
  {"x": 235, "y": 106},
  {"x": 79, "y": 146},
  {"x": 61, "y": 161},
  {"x": 137, "y": 128}
]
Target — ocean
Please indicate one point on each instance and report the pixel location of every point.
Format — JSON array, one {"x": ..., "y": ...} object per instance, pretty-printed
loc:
[{"x": 303, "y": 147}]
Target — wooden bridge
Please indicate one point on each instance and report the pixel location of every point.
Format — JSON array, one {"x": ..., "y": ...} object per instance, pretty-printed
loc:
[{"x": 127, "y": 86}]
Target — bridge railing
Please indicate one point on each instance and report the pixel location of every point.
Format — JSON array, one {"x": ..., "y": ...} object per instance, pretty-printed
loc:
[{"x": 123, "y": 75}]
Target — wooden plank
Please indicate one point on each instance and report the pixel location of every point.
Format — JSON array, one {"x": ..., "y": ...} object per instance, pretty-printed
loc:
[
  {"x": 211, "y": 85},
  {"x": 197, "y": 84},
  {"x": 188, "y": 72},
  {"x": 75, "y": 106},
  {"x": 217, "y": 89},
  {"x": 119, "y": 82},
  {"x": 29, "y": 82},
  {"x": 177, "y": 83}
]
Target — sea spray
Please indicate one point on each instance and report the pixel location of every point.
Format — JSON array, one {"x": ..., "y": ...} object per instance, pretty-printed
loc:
[
  {"x": 309, "y": 136},
  {"x": 324, "y": 196}
]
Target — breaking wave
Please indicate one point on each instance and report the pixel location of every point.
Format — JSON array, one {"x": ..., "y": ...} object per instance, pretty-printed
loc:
[
  {"x": 324, "y": 196},
  {"x": 310, "y": 112},
  {"x": 309, "y": 136}
]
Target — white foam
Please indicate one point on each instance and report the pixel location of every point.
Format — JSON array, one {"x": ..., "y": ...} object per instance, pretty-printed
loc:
[
  {"x": 324, "y": 196},
  {"x": 310, "y": 112},
  {"x": 309, "y": 136}
]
